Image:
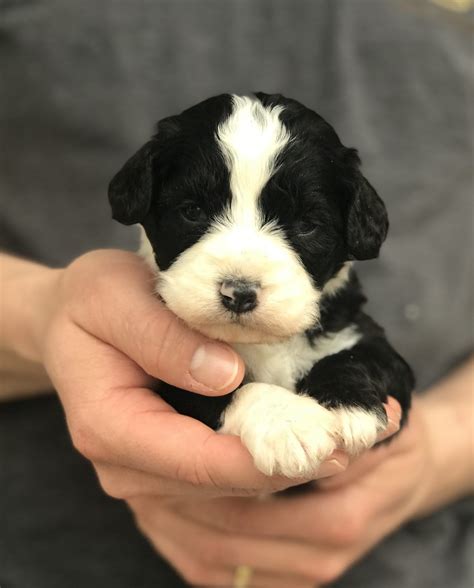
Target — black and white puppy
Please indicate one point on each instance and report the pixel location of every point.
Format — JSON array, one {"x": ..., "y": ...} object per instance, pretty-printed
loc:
[{"x": 252, "y": 212}]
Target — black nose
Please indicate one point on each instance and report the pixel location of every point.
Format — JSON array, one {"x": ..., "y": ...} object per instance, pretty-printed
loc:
[{"x": 239, "y": 295}]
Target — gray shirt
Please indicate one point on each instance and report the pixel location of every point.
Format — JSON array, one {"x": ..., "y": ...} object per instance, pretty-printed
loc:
[{"x": 83, "y": 83}]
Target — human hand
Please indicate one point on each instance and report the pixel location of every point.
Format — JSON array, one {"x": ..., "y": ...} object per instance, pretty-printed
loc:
[
  {"x": 104, "y": 337},
  {"x": 290, "y": 542}
]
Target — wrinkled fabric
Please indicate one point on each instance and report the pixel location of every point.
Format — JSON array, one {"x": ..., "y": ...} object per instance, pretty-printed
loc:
[{"x": 83, "y": 84}]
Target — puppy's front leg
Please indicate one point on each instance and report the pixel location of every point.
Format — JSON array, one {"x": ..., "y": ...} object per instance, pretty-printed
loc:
[
  {"x": 354, "y": 384},
  {"x": 286, "y": 433}
]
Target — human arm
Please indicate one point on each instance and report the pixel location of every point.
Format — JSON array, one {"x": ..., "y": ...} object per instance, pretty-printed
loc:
[
  {"x": 450, "y": 432},
  {"x": 23, "y": 284},
  {"x": 316, "y": 537}
]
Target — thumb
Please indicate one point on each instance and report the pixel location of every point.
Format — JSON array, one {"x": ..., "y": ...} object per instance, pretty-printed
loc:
[{"x": 124, "y": 312}]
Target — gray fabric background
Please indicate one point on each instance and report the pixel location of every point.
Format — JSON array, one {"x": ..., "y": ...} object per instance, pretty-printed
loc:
[{"x": 82, "y": 84}]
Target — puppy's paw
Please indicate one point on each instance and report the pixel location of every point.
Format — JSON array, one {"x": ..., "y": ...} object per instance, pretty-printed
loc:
[
  {"x": 358, "y": 428},
  {"x": 286, "y": 433}
]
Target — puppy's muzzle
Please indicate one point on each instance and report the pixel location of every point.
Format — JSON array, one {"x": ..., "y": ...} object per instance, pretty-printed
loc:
[{"x": 239, "y": 295}]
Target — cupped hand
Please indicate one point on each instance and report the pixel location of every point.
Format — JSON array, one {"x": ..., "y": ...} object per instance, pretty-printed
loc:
[
  {"x": 298, "y": 541},
  {"x": 104, "y": 339}
]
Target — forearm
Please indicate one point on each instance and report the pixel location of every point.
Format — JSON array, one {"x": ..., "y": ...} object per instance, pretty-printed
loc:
[
  {"x": 27, "y": 293},
  {"x": 448, "y": 410}
]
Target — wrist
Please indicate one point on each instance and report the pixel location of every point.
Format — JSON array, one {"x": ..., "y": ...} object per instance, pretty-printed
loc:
[
  {"x": 447, "y": 412},
  {"x": 29, "y": 297}
]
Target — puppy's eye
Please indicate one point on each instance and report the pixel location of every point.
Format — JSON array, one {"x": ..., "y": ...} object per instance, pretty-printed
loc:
[
  {"x": 305, "y": 228},
  {"x": 192, "y": 213}
]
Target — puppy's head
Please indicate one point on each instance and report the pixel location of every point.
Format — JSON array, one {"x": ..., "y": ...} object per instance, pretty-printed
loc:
[{"x": 252, "y": 207}]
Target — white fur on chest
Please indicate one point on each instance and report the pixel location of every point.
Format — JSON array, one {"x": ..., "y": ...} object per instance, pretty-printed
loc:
[
  {"x": 291, "y": 433},
  {"x": 283, "y": 364}
]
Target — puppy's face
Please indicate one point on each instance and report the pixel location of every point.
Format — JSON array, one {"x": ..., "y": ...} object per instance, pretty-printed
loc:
[{"x": 251, "y": 207}]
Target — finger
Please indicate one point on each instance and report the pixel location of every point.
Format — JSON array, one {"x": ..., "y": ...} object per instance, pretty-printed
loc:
[
  {"x": 120, "y": 308},
  {"x": 223, "y": 549},
  {"x": 175, "y": 446},
  {"x": 265, "y": 580},
  {"x": 125, "y": 483},
  {"x": 259, "y": 579},
  {"x": 394, "y": 414},
  {"x": 322, "y": 519},
  {"x": 360, "y": 466},
  {"x": 337, "y": 515},
  {"x": 200, "y": 573},
  {"x": 193, "y": 572},
  {"x": 113, "y": 421}
]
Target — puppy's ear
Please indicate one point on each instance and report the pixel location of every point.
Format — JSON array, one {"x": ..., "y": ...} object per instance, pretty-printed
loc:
[
  {"x": 130, "y": 190},
  {"x": 366, "y": 219},
  {"x": 168, "y": 128}
]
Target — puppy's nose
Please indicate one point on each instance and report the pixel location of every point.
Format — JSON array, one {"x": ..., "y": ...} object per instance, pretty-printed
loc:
[{"x": 239, "y": 295}]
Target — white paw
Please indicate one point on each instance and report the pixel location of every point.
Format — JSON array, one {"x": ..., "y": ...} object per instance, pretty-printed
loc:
[
  {"x": 357, "y": 428},
  {"x": 286, "y": 433}
]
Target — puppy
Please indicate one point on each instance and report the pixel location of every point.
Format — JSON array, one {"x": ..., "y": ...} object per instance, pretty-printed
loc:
[{"x": 253, "y": 212}]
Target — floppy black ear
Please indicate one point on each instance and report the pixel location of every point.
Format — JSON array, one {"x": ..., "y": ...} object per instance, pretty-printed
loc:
[
  {"x": 367, "y": 221},
  {"x": 130, "y": 190}
]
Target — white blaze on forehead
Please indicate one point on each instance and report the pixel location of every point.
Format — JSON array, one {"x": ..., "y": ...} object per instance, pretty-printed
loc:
[
  {"x": 250, "y": 139},
  {"x": 236, "y": 245}
]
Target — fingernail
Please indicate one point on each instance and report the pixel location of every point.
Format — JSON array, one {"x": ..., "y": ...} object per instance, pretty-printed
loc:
[
  {"x": 391, "y": 429},
  {"x": 393, "y": 426},
  {"x": 332, "y": 467},
  {"x": 214, "y": 366},
  {"x": 394, "y": 408}
]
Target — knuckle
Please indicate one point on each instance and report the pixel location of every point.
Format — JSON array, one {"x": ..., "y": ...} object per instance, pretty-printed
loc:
[
  {"x": 156, "y": 358},
  {"x": 85, "y": 441},
  {"x": 141, "y": 521},
  {"x": 110, "y": 486},
  {"x": 174, "y": 339},
  {"x": 309, "y": 569},
  {"x": 201, "y": 473},
  {"x": 85, "y": 272},
  {"x": 346, "y": 528},
  {"x": 139, "y": 515}
]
